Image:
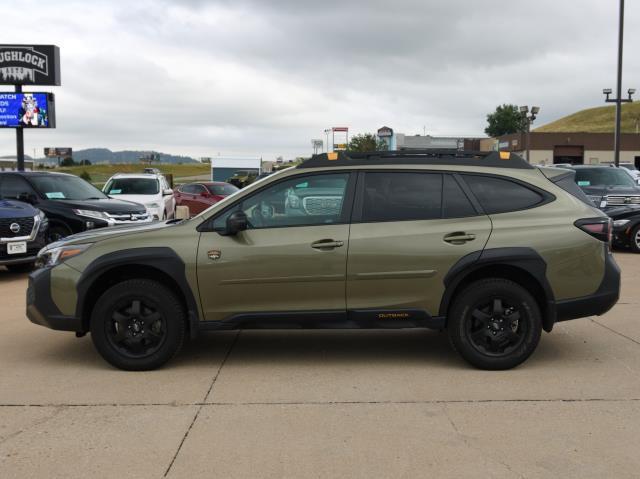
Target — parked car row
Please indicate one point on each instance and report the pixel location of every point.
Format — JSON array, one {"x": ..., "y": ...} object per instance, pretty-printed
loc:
[
  {"x": 616, "y": 192},
  {"x": 37, "y": 208}
]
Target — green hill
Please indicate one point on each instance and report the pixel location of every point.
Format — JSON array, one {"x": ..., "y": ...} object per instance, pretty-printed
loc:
[{"x": 596, "y": 120}]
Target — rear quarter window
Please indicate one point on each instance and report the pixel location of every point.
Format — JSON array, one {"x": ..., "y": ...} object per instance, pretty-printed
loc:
[
  {"x": 567, "y": 183},
  {"x": 497, "y": 195}
]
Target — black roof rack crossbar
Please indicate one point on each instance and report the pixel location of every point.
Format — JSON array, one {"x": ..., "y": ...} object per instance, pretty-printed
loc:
[{"x": 495, "y": 159}]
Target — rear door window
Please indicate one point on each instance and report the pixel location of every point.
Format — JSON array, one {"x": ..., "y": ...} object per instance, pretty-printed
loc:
[
  {"x": 401, "y": 196},
  {"x": 455, "y": 203},
  {"x": 497, "y": 195}
]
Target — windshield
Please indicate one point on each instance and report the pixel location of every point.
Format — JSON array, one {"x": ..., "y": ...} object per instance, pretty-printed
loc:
[
  {"x": 66, "y": 188},
  {"x": 603, "y": 177},
  {"x": 222, "y": 190},
  {"x": 132, "y": 186}
]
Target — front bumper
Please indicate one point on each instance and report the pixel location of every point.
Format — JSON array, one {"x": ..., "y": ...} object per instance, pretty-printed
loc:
[
  {"x": 598, "y": 303},
  {"x": 30, "y": 256},
  {"x": 40, "y": 306}
]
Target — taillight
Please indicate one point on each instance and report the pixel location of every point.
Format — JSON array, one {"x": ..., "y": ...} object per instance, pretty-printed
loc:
[{"x": 599, "y": 228}]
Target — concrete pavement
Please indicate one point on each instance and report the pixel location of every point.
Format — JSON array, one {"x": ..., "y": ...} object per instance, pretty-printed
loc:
[{"x": 323, "y": 404}]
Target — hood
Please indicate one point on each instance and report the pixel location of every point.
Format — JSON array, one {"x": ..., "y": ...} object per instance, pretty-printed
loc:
[
  {"x": 140, "y": 199},
  {"x": 92, "y": 236},
  {"x": 622, "y": 212},
  {"x": 604, "y": 190},
  {"x": 16, "y": 209},
  {"x": 108, "y": 205}
]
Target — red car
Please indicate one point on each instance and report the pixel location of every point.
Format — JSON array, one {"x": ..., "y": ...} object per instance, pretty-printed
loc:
[{"x": 200, "y": 196}]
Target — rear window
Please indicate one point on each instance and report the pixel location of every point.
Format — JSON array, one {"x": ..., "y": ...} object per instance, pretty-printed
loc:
[
  {"x": 498, "y": 195},
  {"x": 401, "y": 196},
  {"x": 223, "y": 190}
]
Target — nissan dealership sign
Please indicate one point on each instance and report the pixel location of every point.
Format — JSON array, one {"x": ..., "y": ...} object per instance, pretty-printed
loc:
[{"x": 29, "y": 65}]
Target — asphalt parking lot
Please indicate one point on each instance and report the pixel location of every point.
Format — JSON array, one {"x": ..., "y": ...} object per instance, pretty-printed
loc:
[{"x": 323, "y": 404}]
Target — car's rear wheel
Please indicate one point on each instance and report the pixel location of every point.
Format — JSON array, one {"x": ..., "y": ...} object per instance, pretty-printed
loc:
[
  {"x": 494, "y": 324},
  {"x": 138, "y": 325},
  {"x": 634, "y": 239}
]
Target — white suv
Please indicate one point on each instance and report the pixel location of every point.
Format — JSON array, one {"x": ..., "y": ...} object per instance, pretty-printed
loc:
[{"x": 151, "y": 190}]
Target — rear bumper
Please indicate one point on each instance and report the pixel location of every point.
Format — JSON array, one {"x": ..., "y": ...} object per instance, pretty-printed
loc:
[
  {"x": 40, "y": 306},
  {"x": 597, "y": 303}
]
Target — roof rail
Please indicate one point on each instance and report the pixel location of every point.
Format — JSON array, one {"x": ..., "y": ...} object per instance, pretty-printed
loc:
[{"x": 495, "y": 159}]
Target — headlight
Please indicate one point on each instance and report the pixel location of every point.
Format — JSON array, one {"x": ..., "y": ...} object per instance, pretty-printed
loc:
[
  {"x": 620, "y": 223},
  {"x": 99, "y": 215},
  {"x": 153, "y": 205},
  {"x": 54, "y": 256},
  {"x": 44, "y": 221}
]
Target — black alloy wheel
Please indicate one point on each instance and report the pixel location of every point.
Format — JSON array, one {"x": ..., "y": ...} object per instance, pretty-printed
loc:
[
  {"x": 494, "y": 324},
  {"x": 136, "y": 329},
  {"x": 138, "y": 324},
  {"x": 495, "y": 328}
]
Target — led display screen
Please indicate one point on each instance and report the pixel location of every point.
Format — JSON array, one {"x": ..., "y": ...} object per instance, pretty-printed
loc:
[{"x": 26, "y": 110}]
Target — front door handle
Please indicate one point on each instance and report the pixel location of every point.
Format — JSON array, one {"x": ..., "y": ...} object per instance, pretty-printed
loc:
[
  {"x": 459, "y": 238},
  {"x": 326, "y": 244}
]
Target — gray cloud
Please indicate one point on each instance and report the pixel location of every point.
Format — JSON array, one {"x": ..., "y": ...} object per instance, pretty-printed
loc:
[{"x": 255, "y": 77}]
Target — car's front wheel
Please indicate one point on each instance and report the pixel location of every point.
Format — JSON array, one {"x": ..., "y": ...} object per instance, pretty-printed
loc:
[
  {"x": 634, "y": 239},
  {"x": 494, "y": 324},
  {"x": 138, "y": 325},
  {"x": 20, "y": 267}
]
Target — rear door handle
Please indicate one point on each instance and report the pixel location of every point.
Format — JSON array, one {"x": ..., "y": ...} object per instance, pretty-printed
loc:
[
  {"x": 459, "y": 238},
  {"x": 326, "y": 244}
]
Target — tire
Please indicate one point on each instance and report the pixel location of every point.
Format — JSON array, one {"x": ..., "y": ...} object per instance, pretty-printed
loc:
[
  {"x": 119, "y": 319},
  {"x": 58, "y": 231},
  {"x": 20, "y": 268},
  {"x": 483, "y": 328},
  {"x": 634, "y": 239}
]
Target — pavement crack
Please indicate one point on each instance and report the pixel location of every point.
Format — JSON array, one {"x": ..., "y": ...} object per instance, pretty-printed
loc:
[
  {"x": 467, "y": 442},
  {"x": 202, "y": 404},
  {"x": 614, "y": 331},
  {"x": 57, "y": 410}
]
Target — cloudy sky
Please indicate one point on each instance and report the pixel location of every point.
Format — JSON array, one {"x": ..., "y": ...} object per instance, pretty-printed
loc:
[{"x": 264, "y": 77}]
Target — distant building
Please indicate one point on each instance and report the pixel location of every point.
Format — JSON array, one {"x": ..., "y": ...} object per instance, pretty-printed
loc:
[
  {"x": 224, "y": 167},
  {"x": 400, "y": 141},
  {"x": 11, "y": 164},
  {"x": 574, "y": 148}
]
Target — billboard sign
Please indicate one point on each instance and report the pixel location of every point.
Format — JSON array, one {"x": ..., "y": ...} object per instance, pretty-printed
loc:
[
  {"x": 27, "y": 110},
  {"x": 29, "y": 65},
  {"x": 58, "y": 152}
]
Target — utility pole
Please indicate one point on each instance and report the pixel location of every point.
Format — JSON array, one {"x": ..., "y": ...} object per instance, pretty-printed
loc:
[
  {"x": 19, "y": 140},
  {"x": 618, "y": 100},
  {"x": 528, "y": 118}
]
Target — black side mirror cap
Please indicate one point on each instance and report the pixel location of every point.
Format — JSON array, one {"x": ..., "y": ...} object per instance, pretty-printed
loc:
[{"x": 236, "y": 222}]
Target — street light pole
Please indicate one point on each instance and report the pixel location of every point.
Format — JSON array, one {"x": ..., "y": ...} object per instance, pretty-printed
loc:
[
  {"x": 528, "y": 118},
  {"x": 616, "y": 142}
]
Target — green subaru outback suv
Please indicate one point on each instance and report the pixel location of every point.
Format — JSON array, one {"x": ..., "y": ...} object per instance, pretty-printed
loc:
[{"x": 482, "y": 245}]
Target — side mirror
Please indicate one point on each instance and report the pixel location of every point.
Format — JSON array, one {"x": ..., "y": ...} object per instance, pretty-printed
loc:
[
  {"x": 167, "y": 192},
  {"x": 236, "y": 222},
  {"x": 27, "y": 198},
  {"x": 204, "y": 194}
]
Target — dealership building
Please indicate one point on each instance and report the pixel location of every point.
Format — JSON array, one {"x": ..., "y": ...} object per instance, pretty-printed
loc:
[
  {"x": 574, "y": 148},
  {"x": 400, "y": 141},
  {"x": 224, "y": 167}
]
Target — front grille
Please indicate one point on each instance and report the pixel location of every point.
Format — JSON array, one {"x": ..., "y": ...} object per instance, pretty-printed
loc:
[
  {"x": 31, "y": 251},
  {"x": 623, "y": 200},
  {"x": 322, "y": 205},
  {"x": 128, "y": 218},
  {"x": 25, "y": 224}
]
